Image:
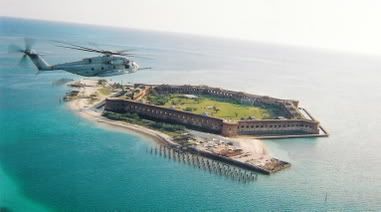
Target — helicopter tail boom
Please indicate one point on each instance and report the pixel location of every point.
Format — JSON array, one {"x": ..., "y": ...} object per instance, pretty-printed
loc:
[{"x": 39, "y": 62}]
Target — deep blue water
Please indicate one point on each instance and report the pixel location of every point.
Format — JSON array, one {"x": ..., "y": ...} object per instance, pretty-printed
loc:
[{"x": 52, "y": 160}]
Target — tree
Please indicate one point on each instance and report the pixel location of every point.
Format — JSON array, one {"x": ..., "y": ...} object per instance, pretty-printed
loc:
[{"x": 190, "y": 109}]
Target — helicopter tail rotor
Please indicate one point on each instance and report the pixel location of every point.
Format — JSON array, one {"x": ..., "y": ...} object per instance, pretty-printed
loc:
[{"x": 26, "y": 51}]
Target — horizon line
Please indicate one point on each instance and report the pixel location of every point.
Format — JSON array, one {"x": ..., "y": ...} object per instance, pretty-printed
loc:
[{"x": 236, "y": 39}]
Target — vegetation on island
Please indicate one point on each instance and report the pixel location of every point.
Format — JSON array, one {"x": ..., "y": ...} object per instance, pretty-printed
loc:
[
  {"x": 133, "y": 118},
  {"x": 158, "y": 99},
  {"x": 215, "y": 107},
  {"x": 105, "y": 91}
]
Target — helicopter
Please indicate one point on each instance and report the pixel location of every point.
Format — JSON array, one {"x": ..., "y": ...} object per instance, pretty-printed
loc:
[{"x": 109, "y": 63}]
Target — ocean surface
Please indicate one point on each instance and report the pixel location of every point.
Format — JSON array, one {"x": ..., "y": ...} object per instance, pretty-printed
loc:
[{"x": 53, "y": 160}]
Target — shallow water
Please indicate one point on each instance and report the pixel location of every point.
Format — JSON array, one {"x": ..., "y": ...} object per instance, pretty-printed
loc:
[{"x": 52, "y": 160}]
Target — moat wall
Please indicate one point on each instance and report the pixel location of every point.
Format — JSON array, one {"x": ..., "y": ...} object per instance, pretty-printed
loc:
[
  {"x": 194, "y": 121},
  {"x": 214, "y": 125}
]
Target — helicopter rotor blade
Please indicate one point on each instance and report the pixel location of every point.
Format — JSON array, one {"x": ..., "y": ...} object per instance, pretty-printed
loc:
[
  {"x": 81, "y": 49},
  {"x": 126, "y": 50},
  {"x": 138, "y": 56},
  {"x": 23, "y": 61},
  {"x": 122, "y": 52},
  {"x": 95, "y": 45},
  {"x": 78, "y": 47},
  {"x": 86, "y": 50}
]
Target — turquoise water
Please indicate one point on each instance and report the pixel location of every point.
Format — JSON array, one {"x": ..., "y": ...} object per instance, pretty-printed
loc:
[{"x": 52, "y": 160}]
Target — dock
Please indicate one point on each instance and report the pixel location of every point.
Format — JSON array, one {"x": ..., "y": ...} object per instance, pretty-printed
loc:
[
  {"x": 191, "y": 152},
  {"x": 204, "y": 162}
]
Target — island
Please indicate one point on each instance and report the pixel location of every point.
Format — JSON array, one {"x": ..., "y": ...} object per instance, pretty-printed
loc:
[{"x": 219, "y": 124}]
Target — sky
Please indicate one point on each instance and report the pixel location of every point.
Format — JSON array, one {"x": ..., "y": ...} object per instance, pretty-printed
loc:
[{"x": 344, "y": 25}]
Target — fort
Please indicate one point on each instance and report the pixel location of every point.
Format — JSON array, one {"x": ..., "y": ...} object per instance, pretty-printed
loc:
[
  {"x": 293, "y": 122},
  {"x": 231, "y": 119}
]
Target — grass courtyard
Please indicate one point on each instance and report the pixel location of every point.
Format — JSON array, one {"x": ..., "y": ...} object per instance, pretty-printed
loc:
[{"x": 213, "y": 107}]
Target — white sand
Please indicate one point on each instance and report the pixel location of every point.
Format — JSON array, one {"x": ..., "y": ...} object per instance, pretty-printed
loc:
[
  {"x": 80, "y": 106},
  {"x": 254, "y": 147}
]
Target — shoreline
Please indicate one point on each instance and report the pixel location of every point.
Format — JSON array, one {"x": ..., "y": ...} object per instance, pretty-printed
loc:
[
  {"x": 254, "y": 155},
  {"x": 75, "y": 106}
]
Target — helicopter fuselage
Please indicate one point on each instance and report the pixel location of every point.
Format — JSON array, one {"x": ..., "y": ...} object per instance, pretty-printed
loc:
[
  {"x": 107, "y": 65},
  {"x": 101, "y": 66}
]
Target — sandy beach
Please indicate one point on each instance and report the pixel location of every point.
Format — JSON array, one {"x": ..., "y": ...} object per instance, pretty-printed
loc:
[
  {"x": 82, "y": 108},
  {"x": 253, "y": 149}
]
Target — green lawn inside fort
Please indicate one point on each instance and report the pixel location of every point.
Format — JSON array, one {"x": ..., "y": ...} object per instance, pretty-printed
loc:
[{"x": 213, "y": 107}]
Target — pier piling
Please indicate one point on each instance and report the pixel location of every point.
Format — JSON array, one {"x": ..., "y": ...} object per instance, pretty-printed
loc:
[{"x": 200, "y": 162}]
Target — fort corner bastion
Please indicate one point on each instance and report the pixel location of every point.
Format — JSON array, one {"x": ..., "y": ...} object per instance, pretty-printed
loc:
[{"x": 294, "y": 122}]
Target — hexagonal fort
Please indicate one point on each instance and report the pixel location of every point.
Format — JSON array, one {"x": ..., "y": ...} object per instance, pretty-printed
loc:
[{"x": 216, "y": 110}]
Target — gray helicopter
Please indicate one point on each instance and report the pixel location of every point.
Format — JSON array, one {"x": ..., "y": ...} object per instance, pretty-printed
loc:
[{"x": 109, "y": 63}]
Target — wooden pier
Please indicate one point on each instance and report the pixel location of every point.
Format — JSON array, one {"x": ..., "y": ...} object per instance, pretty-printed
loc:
[{"x": 212, "y": 166}]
